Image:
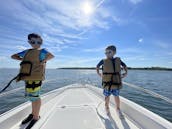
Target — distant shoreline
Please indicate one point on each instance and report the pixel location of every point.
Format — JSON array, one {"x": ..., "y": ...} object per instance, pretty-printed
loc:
[
  {"x": 93, "y": 68},
  {"x": 130, "y": 68}
]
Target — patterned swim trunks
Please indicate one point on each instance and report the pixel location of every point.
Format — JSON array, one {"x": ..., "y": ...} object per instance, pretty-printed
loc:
[
  {"x": 114, "y": 92},
  {"x": 32, "y": 90}
]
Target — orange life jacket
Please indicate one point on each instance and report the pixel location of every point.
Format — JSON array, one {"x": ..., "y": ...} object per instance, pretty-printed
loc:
[
  {"x": 112, "y": 73},
  {"x": 31, "y": 68}
]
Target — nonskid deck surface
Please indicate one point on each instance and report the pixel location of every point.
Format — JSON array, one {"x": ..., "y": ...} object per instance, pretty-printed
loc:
[{"x": 79, "y": 109}]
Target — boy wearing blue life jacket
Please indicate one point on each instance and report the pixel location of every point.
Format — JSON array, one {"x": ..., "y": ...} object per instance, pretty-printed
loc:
[
  {"x": 111, "y": 77},
  {"x": 32, "y": 71}
]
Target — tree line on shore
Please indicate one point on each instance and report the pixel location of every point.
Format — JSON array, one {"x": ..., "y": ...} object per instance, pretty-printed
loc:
[{"x": 130, "y": 68}]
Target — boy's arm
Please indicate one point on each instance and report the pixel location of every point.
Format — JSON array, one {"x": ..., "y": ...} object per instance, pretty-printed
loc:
[
  {"x": 125, "y": 69},
  {"x": 98, "y": 67},
  {"x": 126, "y": 72},
  {"x": 16, "y": 57},
  {"x": 19, "y": 56}
]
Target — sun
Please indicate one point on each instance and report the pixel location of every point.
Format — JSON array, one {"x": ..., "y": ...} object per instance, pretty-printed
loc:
[{"x": 87, "y": 8}]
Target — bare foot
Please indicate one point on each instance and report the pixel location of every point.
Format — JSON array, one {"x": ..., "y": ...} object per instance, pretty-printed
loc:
[
  {"x": 107, "y": 110},
  {"x": 120, "y": 114}
]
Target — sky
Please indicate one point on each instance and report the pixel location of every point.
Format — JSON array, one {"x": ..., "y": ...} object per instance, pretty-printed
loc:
[{"x": 78, "y": 31}]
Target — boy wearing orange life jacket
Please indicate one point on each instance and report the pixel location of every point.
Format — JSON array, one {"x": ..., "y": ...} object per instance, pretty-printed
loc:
[
  {"x": 111, "y": 77},
  {"x": 32, "y": 71}
]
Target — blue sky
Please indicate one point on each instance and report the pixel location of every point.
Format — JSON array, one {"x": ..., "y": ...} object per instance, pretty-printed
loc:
[{"x": 77, "y": 31}]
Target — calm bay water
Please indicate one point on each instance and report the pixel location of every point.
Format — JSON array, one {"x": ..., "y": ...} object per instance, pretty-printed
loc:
[{"x": 157, "y": 81}]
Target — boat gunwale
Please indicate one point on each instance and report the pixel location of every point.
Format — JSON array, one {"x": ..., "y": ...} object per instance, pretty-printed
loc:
[
  {"x": 140, "y": 109},
  {"x": 163, "y": 123}
]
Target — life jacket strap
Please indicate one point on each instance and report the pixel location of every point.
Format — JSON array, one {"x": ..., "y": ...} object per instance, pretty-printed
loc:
[
  {"x": 110, "y": 83},
  {"x": 114, "y": 73},
  {"x": 30, "y": 70},
  {"x": 22, "y": 74},
  {"x": 33, "y": 85},
  {"x": 32, "y": 95}
]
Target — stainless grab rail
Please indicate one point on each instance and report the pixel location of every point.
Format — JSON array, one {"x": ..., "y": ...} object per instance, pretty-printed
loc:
[{"x": 154, "y": 94}]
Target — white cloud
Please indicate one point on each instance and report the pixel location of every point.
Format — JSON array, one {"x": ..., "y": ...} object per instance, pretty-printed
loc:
[
  {"x": 135, "y": 1},
  {"x": 73, "y": 61},
  {"x": 49, "y": 22},
  {"x": 69, "y": 14},
  {"x": 21, "y": 47},
  {"x": 140, "y": 40},
  {"x": 169, "y": 53},
  {"x": 61, "y": 23},
  {"x": 131, "y": 50},
  {"x": 57, "y": 18},
  {"x": 162, "y": 44},
  {"x": 2, "y": 58},
  {"x": 135, "y": 58},
  {"x": 101, "y": 49}
]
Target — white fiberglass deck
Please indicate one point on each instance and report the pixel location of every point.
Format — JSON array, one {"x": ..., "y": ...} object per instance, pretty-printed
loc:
[{"x": 82, "y": 108}]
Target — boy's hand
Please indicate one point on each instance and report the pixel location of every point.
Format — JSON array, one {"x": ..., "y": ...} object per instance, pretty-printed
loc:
[
  {"x": 124, "y": 75},
  {"x": 99, "y": 74},
  {"x": 16, "y": 57},
  {"x": 43, "y": 62}
]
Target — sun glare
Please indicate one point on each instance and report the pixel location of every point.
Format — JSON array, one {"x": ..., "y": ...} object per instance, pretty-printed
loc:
[{"x": 87, "y": 8}]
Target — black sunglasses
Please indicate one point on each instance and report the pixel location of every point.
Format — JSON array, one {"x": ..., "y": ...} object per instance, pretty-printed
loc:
[
  {"x": 109, "y": 52},
  {"x": 36, "y": 42}
]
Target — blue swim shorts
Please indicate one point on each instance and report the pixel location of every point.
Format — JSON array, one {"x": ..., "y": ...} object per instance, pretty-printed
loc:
[{"x": 114, "y": 92}]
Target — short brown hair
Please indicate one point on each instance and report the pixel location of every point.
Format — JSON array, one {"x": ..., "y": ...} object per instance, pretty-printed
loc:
[
  {"x": 34, "y": 35},
  {"x": 111, "y": 47}
]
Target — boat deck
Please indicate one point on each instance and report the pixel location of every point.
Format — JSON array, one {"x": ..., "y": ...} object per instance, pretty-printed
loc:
[{"x": 78, "y": 108}]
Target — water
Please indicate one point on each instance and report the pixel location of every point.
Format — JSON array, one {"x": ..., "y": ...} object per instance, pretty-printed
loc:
[{"x": 157, "y": 81}]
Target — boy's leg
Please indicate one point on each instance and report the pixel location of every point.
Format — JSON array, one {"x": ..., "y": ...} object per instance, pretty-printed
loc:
[
  {"x": 115, "y": 93},
  {"x": 36, "y": 105},
  {"x": 33, "y": 109},
  {"x": 117, "y": 102},
  {"x": 107, "y": 99},
  {"x": 36, "y": 108}
]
